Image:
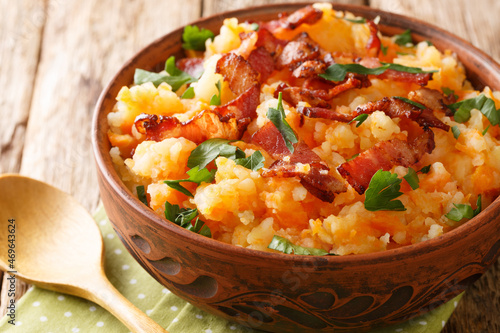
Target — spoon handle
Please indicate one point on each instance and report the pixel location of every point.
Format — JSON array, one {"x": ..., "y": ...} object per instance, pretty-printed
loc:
[{"x": 107, "y": 296}]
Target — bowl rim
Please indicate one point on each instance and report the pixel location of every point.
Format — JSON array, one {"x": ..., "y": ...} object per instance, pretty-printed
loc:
[{"x": 112, "y": 178}]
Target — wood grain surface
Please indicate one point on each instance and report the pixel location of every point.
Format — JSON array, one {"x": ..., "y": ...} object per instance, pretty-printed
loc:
[{"x": 57, "y": 55}]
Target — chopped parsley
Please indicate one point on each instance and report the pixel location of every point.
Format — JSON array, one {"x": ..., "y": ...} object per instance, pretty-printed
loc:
[
  {"x": 425, "y": 169},
  {"x": 194, "y": 38},
  {"x": 485, "y": 130},
  {"x": 284, "y": 245},
  {"x": 188, "y": 94},
  {"x": 409, "y": 101},
  {"x": 360, "y": 119},
  {"x": 404, "y": 38},
  {"x": 254, "y": 26},
  {"x": 215, "y": 100},
  {"x": 412, "y": 178},
  {"x": 482, "y": 103},
  {"x": 448, "y": 92},
  {"x": 184, "y": 218},
  {"x": 176, "y": 78},
  {"x": 358, "y": 21},
  {"x": 196, "y": 175},
  {"x": 210, "y": 149},
  {"x": 382, "y": 190},
  {"x": 384, "y": 49},
  {"x": 456, "y": 132},
  {"x": 278, "y": 118},
  {"x": 141, "y": 194},
  {"x": 462, "y": 211},
  {"x": 338, "y": 72},
  {"x": 253, "y": 162}
]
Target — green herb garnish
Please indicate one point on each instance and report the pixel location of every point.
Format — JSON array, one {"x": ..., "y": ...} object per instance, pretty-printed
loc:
[
  {"x": 409, "y": 101},
  {"x": 196, "y": 175},
  {"x": 482, "y": 103},
  {"x": 210, "y": 149},
  {"x": 188, "y": 94},
  {"x": 384, "y": 49},
  {"x": 175, "y": 79},
  {"x": 360, "y": 119},
  {"x": 352, "y": 157},
  {"x": 462, "y": 211},
  {"x": 456, "y": 132},
  {"x": 338, "y": 72},
  {"x": 485, "y": 130},
  {"x": 253, "y": 162},
  {"x": 412, "y": 178},
  {"x": 382, "y": 190},
  {"x": 254, "y": 26},
  {"x": 284, "y": 245},
  {"x": 184, "y": 218},
  {"x": 194, "y": 38},
  {"x": 425, "y": 169},
  {"x": 141, "y": 194},
  {"x": 359, "y": 21},
  {"x": 404, "y": 38},
  {"x": 449, "y": 92},
  {"x": 215, "y": 100},
  {"x": 278, "y": 118}
]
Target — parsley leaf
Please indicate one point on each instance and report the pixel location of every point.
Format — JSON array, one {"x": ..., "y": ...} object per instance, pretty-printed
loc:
[
  {"x": 403, "y": 38},
  {"x": 456, "y": 132},
  {"x": 425, "y": 169},
  {"x": 253, "y": 162},
  {"x": 352, "y": 157},
  {"x": 338, "y": 72},
  {"x": 215, "y": 100},
  {"x": 254, "y": 26},
  {"x": 188, "y": 94},
  {"x": 409, "y": 101},
  {"x": 284, "y": 245},
  {"x": 482, "y": 103},
  {"x": 196, "y": 175},
  {"x": 210, "y": 149},
  {"x": 194, "y": 38},
  {"x": 412, "y": 178},
  {"x": 383, "y": 188},
  {"x": 486, "y": 130},
  {"x": 278, "y": 118},
  {"x": 184, "y": 217},
  {"x": 360, "y": 119},
  {"x": 384, "y": 49},
  {"x": 360, "y": 20},
  {"x": 462, "y": 211},
  {"x": 175, "y": 79},
  {"x": 447, "y": 91},
  {"x": 141, "y": 194}
]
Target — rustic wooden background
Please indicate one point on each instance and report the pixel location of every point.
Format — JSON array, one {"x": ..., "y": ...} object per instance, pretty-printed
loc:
[{"x": 57, "y": 55}]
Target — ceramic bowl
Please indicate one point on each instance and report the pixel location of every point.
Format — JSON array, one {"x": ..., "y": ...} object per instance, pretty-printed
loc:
[{"x": 286, "y": 293}]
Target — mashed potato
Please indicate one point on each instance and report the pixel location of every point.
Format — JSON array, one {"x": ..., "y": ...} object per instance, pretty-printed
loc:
[{"x": 246, "y": 204}]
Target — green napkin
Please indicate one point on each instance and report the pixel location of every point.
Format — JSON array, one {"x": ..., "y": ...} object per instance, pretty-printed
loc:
[{"x": 41, "y": 310}]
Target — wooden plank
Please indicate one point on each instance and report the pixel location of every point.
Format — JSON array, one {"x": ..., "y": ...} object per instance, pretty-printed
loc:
[
  {"x": 21, "y": 29},
  {"x": 477, "y": 22},
  {"x": 84, "y": 44},
  {"x": 211, "y": 7}
]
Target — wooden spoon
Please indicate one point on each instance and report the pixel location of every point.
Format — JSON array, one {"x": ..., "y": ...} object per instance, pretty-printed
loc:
[{"x": 58, "y": 246}]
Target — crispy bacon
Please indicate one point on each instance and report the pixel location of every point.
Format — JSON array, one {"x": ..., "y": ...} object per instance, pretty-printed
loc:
[
  {"x": 262, "y": 61},
  {"x": 396, "y": 108},
  {"x": 324, "y": 113},
  {"x": 237, "y": 72},
  {"x": 390, "y": 74},
  {"x": 267, "y": 40},
  {"x": 306, "y": 15},
  {"x": 192, "y": 66},
  {"x": 433, "y": 99},
  {"x": 227, "y": 121},
  {"x": 295, "y": 53},
  {"x": 309, "y": 68},
  {"x": 383, "y": 156},
  {"x": 294, "y": 95},
  {"x": 373, "y": 44},
  {"x": 317, "y": 180}
]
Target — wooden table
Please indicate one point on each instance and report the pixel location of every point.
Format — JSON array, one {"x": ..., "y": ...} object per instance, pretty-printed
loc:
[{"x": 56, "y": 56}]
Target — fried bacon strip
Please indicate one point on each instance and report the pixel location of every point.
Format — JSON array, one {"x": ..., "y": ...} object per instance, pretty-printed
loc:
[
  {"x": 317, "y": 180},
  {"x": 295, "y": 53},
  {"x": 396, "y": 108},
  {"x": 433, "y": 99},
  {"x": 373, "y": 45},
  {"x": 306, "y": 15},
  {"x": 192, "y": 66},
  {"x": 262, "y": 62},
  {"x": 383, "y": 156},
  {"x": 324, "y": 113},
  {"x": 390, "y": 74},
  {"x": 226, "y": 121}
]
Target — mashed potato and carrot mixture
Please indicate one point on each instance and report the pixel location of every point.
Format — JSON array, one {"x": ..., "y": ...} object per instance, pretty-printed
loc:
[{"x": 309, "y": 134}]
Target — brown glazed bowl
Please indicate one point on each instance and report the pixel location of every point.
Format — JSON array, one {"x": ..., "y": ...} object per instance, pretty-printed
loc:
[{"x": 287, "y": 293}]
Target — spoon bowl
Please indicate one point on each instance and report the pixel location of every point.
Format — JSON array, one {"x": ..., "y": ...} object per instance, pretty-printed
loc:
[{"x": 55, "y": 244}]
